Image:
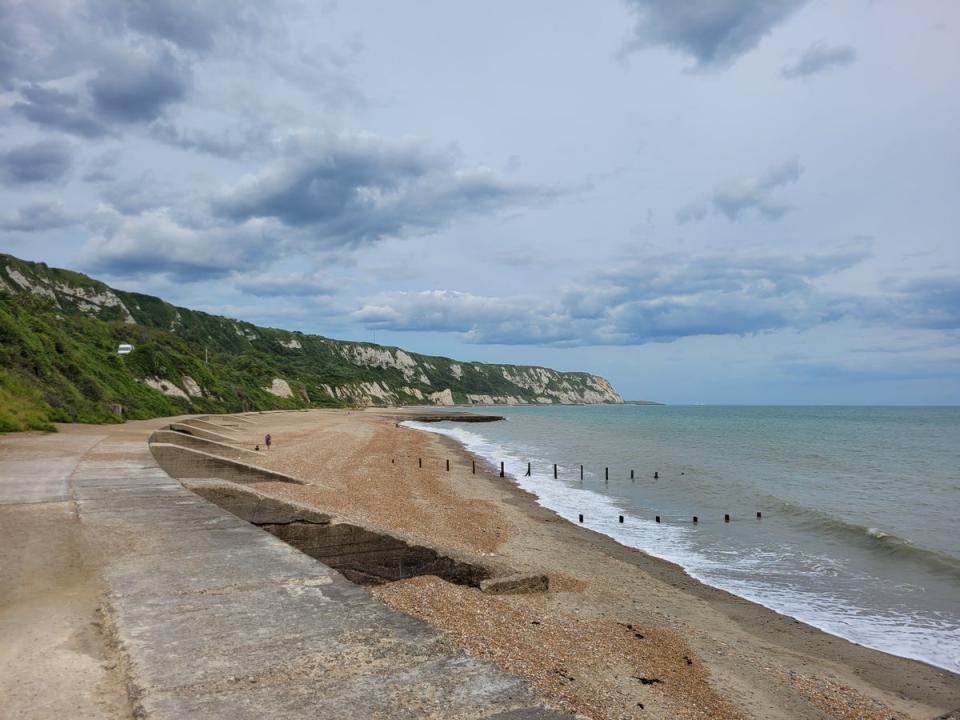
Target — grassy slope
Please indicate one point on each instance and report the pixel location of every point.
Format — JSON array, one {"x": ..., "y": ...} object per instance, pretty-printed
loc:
[{"x": 59, "y": 364}]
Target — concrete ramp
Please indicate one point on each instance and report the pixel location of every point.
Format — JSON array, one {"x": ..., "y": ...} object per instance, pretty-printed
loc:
[
  {"x": 219, "y": 619},
  {"x": 193, "y": 429},
  {"x": 364, "y": 555},
  {"x": 184, "y": 462},
  {"x": 231, "y": 452},
  {"x": 205, "y": 424}
]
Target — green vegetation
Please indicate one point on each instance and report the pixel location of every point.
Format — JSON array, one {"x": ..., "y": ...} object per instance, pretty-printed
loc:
[{"x": 59, "y": 332}]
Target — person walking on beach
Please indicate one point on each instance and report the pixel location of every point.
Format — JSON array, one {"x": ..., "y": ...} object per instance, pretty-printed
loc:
[{"x": 267, "y": 440}]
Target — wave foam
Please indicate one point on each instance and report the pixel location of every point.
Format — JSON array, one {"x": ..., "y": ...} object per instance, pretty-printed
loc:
[{"x": 931, "y": 640}]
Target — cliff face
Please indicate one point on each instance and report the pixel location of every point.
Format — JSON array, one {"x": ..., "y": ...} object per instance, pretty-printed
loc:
[{"x": 59, "y": 332}]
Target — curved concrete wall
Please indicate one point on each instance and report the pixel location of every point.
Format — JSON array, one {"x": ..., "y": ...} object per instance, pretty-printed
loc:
[
  {"x": 195, "y": 442},
  {"x": 182, "y": 462},
  {"x": 199, "y": 432},
  {"x": 365, "y": 556},
  {"x": 204, "y": 424},
  {"x": 253, "y": 506}
]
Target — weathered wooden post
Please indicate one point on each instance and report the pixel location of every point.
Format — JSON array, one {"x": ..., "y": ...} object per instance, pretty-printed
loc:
[
  {"x": 501, "y": 468},
  {"x": 606, "y": 474},
  {"x": 581, "y": 473},
  {"x": 726, "y": 517},
  {"x": 658, "y": 518},
  {"x": 527, "y": 474},
  {"x": 448, "y": 465},
  {"x": 631, "y": 474},
  {"x": 759, "y": 515},
  {"x": 554, "y": 471},
  {"x": 473, "y": 467},
  {"x": 420, "y": 462},
  {"x": 581, "y": 517},
  {"x": 695, "y": 520},
  {"x": 621, "y": 518}
]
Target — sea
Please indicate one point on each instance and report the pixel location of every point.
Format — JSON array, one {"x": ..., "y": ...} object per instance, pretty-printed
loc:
[{"x": 859, "y": 533}]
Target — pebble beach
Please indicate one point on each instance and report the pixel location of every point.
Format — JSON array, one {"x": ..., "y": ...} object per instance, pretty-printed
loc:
[{"x": 620, "y": 634}]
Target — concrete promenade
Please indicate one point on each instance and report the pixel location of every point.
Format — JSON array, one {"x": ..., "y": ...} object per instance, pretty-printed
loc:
[{"x": 196, "y": 613}]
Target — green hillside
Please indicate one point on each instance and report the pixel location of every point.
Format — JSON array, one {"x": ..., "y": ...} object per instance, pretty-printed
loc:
[{"x": 59, "y": 332}]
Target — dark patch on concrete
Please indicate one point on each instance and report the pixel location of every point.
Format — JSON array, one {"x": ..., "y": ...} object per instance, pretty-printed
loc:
[{"x": 363, "y": 556}]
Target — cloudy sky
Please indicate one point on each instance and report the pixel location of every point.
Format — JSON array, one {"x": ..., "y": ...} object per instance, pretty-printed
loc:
[{"x": 709, "y": 201}]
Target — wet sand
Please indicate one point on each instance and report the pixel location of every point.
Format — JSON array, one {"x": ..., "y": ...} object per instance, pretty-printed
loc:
[{"x": 620, "y": 634}]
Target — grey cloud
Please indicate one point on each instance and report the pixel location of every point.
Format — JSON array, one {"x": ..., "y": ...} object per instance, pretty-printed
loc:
[
  {"x": 356, "y": 189},
  {"x": 734, "y": 198},
  {"x": 818, "y": 58},
  {"x": 241, "y": 142},
  {"x": 193, "y": 26},
  {"x": 140, "y": 88},
  {"x": 329, "y": 193},
  {"x": 714, "y": 32},
  {"x": 39, "y": 216},
  {"x": 98, "y": 176},
  {"x": 510, "y": 321},
  {"x": 58, "y": 110},
  {"x": 137, "y": 194},
  {"x": 664, "y": 299},
  {"x": 296, "y": 284},
  {"x": 845, "y": 373},
  {"x": 42, "y": 162},
  {"x": 155, "y": 243},
  {"x": 139, "y": 53},
  {"x": 932, "y": 302}
]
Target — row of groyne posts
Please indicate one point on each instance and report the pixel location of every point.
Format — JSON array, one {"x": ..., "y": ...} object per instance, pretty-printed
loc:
[{"x": 606, "y": 478}]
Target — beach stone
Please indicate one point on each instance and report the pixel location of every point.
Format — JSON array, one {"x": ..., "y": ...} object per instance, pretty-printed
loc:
[{"x": 516, "y": 584}]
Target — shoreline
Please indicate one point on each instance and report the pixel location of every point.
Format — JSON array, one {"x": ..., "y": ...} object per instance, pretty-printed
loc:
[
  {"x": 740, "y": 608},
  {"x": 665, "y": 568},
  {"x": 765, "y": 663}
]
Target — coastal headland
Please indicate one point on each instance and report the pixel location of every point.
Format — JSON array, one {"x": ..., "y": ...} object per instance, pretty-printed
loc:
[{"x": 618, "y": 634}]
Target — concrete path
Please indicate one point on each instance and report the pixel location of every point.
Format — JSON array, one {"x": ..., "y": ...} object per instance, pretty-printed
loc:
[
  {"x": 216, "y": 618},
  {"x": 54, "y": 662}
]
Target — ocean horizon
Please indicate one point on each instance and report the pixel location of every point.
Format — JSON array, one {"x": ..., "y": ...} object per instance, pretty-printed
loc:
[{"x": 857, "y": 503}]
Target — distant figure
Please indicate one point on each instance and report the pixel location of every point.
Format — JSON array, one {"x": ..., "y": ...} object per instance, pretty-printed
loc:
[
  {"x": 656, "y": 475},
  {"x": 267, "y": 440},
  {"x": 257, "y": 448}
]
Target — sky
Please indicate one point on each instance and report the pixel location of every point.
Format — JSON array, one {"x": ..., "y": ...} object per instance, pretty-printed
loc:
[{"x": 704, "y": 201}]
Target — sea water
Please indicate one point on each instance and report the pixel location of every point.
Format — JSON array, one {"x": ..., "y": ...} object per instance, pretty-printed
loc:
[{"x": 860, "y": 528}]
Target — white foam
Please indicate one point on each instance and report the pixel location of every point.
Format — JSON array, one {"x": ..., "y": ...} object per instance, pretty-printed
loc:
[{"x": 899, "y": 633}]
